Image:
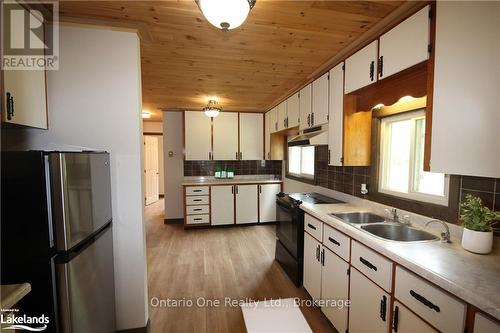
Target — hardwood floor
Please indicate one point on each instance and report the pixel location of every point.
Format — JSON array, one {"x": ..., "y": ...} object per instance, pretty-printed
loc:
[{"x": 214, "y": 264}]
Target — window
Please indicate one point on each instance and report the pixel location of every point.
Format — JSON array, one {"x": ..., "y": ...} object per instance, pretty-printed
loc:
[
  {"x": 301, "y": 161},
  {"x": 402, "y": 161}
]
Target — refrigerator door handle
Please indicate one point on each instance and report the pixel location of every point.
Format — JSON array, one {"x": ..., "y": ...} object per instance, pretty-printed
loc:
[{"x": 48, "y": 195}]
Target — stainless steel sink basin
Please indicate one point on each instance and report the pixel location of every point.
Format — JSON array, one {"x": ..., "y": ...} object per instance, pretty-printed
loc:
[
  {"x": 359, "y": 217},
  {"x": 396, "y": 232}
]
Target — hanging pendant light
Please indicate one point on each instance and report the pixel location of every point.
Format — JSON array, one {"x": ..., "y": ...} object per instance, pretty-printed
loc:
[
  {"x": 212, "y": 109},
  {"x": 226, "y": 14}
]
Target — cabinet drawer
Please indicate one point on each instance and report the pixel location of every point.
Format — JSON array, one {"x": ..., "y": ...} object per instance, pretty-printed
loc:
[
  {"x": 197, "y": 190},
  {"x": 314, "y": 227},
  {"x": 191, "y": 210},
  {"x": 197, "y": 200},
  {"x": 197, "y": 219},
  {"x": 441, "y": 310},
  {"x": 336, "y": 241},
  {"x": 372, "y": 264}
]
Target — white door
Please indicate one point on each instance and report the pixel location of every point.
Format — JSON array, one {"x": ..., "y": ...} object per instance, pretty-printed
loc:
[
  {"x": 361, "y": 68},
  {"x": 305, "y": 105},
  {"x": 151, "y": 171},
  {"x": 24, "y": 93},
  {"x": 319, "y": 114},
  {"x": 370, "y": 306},
  {"x": 251, "y": 136},
  {"x": 198, "y": 136},
  {"x": 336, "y": 118},
  {"x": 312, "y": 266},
  {"x": 405, "y": 45},
  {"x": 405, "y": 321},
  {"x": 267, "y": 135},
  {"x": 222, "y": 204},
  {"x": 246, "y": 204},
  {"x": 483, "y": 324},
  {"x": 225, "y": 135},
  {"x": 292, "y": 110},
  {"x": 335, "y": 286},
  {"x": 282, "y": 115},
  {"x": 273, "y": 119},
  {"x": 267, "y": 202}
]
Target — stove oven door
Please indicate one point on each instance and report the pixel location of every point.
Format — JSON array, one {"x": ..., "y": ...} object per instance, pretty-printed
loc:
[{"x": 290, "y": 224}]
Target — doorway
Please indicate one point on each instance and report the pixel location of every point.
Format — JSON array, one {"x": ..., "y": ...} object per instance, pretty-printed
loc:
[{"x": 153, "y": 168}]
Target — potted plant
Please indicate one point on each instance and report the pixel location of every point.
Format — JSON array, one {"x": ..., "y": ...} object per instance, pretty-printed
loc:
[{"x": 477, "y": 220}]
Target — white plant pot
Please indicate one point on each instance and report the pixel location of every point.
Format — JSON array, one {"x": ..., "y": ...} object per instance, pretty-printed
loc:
[{"x": 477, "y": 241}]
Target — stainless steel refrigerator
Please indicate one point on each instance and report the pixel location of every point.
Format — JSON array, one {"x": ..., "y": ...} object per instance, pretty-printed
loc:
[{"x": 56, "y": 232}]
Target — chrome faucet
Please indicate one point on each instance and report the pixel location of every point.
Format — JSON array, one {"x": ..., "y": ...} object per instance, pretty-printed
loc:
[
  {"x": 393, "y": 212},
  {"x": 445, "y": 236}
]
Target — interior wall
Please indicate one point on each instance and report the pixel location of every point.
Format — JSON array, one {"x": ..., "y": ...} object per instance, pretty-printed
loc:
[
  {"x": 94, "y": 100},
  {"x": 152, "y": 127},
  {"x": 173, "y": 164}
]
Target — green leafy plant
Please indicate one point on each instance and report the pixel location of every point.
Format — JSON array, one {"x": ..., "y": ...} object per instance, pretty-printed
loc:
[{"x": 475, "y": 216}]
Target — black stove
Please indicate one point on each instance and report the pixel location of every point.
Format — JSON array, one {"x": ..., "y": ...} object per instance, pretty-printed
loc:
[{"x": 290, "y": 230}]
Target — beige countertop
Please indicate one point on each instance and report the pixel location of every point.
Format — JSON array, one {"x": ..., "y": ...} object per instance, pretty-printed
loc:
[
  {"x": 472, "y": 277},
  {"x": 260, "y": 179},
  {"x": 13, "y": 293}
]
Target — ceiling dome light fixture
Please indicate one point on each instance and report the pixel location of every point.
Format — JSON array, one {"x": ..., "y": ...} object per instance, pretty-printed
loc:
[
  {"x": 212, "y": 109},
  {"x": 226, "y": 14}
]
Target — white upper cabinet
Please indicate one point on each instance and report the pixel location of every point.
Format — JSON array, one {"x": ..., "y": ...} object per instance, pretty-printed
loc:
[
  {"x": 405, "y": 45},
  {"x": 267, "y": 202},
  {"x": 282, "y": 115},
  {"x": 361, "y": 68},
  {"x": 273, "y": 119},
  {"x": 466, "y": 114},
  {"x": 25, "y": 100},
  {"x": 336, "y": 117},
  {"x": 251, "y": 136},
  {"x": 293, "y": 113},
  {"x": 225, "y": 134},
  {"x": 267, "y": 135},
  {"x": 246, "y": 204},
  {"x": 198, "y": 136},
  {"x": 319, "y": 114},
  {"x": 305, "y": 105}
]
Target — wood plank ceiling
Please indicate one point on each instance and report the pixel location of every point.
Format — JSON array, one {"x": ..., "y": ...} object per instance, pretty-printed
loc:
[{"x": 185, "y": 59}]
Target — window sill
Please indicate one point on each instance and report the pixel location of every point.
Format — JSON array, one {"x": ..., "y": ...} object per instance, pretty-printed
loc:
[{"x": 306, "y": 180}]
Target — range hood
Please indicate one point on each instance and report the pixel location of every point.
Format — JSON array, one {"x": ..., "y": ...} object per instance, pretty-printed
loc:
[{"x": 314, "y": 136}]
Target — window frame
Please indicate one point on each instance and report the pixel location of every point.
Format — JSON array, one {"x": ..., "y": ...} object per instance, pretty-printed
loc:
[
  {"x": 413, "y": 115},
  {"x": 301, "y": 176}
]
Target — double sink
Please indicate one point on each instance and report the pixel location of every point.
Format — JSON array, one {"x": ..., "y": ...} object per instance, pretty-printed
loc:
[{"x": 376, "y": 225}]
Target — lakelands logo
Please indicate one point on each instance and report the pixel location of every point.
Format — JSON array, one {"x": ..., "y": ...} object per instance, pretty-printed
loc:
[
  {"x": 24, "y": 322},
  {"x": 30, "y": 35}
]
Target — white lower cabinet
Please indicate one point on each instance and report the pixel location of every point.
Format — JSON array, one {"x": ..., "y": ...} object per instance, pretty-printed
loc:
[
  {"x": 334, "y": 287},
  {"x": 267, "y": 202},
  {"x": 405, "y": 321},
  {"x": 312, "y": 266},
  {"x": 370, "y": 306},
  {"x": 222, "y": 204},
  {"x": 246, "y": 204},
  {"x": 482, "y": 324}
]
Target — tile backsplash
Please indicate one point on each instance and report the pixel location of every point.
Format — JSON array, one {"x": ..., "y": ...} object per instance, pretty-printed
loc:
[
  {"x": 207, "y": 168},
  {"x": 349, "y": 179}
]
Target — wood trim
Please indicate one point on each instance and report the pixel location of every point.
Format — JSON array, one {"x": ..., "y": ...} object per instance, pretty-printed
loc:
[
  {"x": 234, "y": 204},
  {"x": 152, "y": 133},
  {"x": 430, "y": 91},
  {"x": 184, "y": 135},
  {"x": 173, "y": 221}
]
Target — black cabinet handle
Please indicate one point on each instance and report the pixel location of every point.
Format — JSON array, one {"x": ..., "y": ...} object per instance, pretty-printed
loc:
[
  {"x": 197, "y": 209},
  {"x": 309, "y": 120},
  {"x": 424, "y": 301},
  {"x": 196, "y": 190},
  {"x": 317, "y": 253},
  {"x": 236, "y": 189},
  {"x": 323, "y": 257},
  {"x": 311, "y": 226},
  {"x": 372, "y": 70},
  {"x": 197, "y": 219},
  {"x": 260, "y": 189},
  {"x": 10, "y": 106},
  {"x": 312, "y": 118},
  {"x": 396, "y": 319},
  {"x": 236, "y": 155},
  {"x": 383, "y": 308},
  {"x": 333, "y": 241},
  {"x": 197, "y": 200},
  {"x": 368, "y": 264},
  {"x": 381, "y": 66},
  {"x": 232, "y": 189}
]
